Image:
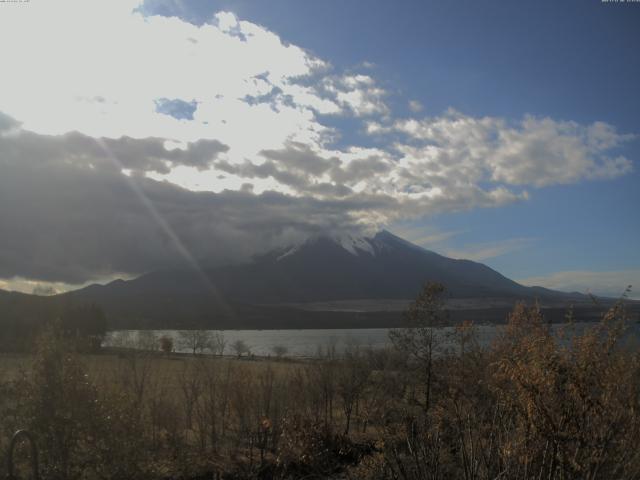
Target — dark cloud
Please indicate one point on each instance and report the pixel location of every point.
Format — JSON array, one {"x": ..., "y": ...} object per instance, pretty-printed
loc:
[
  {"x": 360, "y": 169},
  {"x": 69, "y": 214},
  {"x": 150, "y": 154},
  {"x": 299, "y": 157},
  {"x": 7, "y": 123},
  {"x": 266, "y": 169},
  {"x": 296, "y": 166},
  {"x": 305, "y": 171},
  {"x": 143, "y": 155}
]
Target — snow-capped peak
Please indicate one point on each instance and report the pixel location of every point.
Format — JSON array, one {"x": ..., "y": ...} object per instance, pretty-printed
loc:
[{"x": 355, "y": 245}]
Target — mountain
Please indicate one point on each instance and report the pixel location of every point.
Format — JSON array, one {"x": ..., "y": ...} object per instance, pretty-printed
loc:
[
  {"x": 275, "y": 289},
  {"x": 384, "y": 266}
]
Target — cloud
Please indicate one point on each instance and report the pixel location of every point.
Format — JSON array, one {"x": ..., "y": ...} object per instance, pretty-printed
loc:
[
  {"x": 228, "y": 80},
  {"x": 484, "y": 251},
  {"x": 235, "y": 76},
  {"x": 415, "y": 106},
  {"x": 47, "y": 288},
  {"x": 141, "y": 155},
  {"x": 172, "y": 142},
  {"x": 234, "y": 87},
  {"x": 545, "y": 152},
  {"x": 7, "y": 123},
  {"x": 426, "y": 236},
  {"x": 434, "y": 238},
  {"x": 70, "y": 214},
  {"x": 75, "y": 209},
  {"x": 358, "y": 93},
  {"x": 605, "y": 283},
  {"x": 453, "y": 150}
]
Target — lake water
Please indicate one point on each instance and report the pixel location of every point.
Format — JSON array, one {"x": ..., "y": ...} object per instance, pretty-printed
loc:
[{"x": 305, "y": 343}]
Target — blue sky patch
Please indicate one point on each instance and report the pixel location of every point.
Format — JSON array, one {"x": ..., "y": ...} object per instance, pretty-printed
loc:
[{"x": 176, "y": 108}]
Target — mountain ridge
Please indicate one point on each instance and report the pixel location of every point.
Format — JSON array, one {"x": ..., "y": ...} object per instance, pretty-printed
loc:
[
  {"x": 323, "y": 282},
  {"x": 321, "y": 269}
]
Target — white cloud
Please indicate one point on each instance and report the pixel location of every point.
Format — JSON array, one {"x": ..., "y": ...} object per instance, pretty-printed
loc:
[
  {"x": 83, "y": 79},
  {"x": 456, "y": 149},
  {"x": 545, "y": 152},
  {"x": 415, "y": 106},
  {"x": 605, "y": 283},
  {"x": 254, "y": 93},
  {"x": 358, "y": 93},
  {"x": 44, "y": 288},
  {"x": 251, "y": 91}
]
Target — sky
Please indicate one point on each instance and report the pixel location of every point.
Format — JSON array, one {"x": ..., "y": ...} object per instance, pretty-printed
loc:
[{"x": 138, "y": 136}]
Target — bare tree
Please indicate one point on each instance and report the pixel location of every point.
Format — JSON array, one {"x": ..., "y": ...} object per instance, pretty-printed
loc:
[
  {"x": 217, "y": 343},
  {"x": 122, "y": 339},
  {"x": 191, "y": 385},
  {"x": 240, "y": 347},
  {"x": 321, "y": 381},
  {"x": 197, "y": 341},
  {"x": 279, "y": 350},
  {"x": 352, "y": 378},
  {"x": 134, "y": 370},
  {"x": 147, "y": 340},
  {"x": 166, "y": 344},
  {"x": 419, "y": 339}
]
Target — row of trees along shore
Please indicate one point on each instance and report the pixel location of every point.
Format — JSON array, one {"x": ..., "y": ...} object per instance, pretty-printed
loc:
[
  {"x": 196, "y": 342},
  {"x": 535, "y": 403}
]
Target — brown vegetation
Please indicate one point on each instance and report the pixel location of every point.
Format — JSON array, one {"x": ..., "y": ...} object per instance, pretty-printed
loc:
[{"x": 532, "y": 405}]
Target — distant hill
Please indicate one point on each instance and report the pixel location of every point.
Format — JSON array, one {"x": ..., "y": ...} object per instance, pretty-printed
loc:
[
  {"x": 272, "y": 290},
  {"x": 22, "y": 316}
]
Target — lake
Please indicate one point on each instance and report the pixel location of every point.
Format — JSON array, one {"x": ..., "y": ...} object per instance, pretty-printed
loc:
[{"x": 305, "y": 343}]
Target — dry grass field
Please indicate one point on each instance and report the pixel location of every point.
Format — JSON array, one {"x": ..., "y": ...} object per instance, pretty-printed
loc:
[{"x": 531, "y": 405}]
